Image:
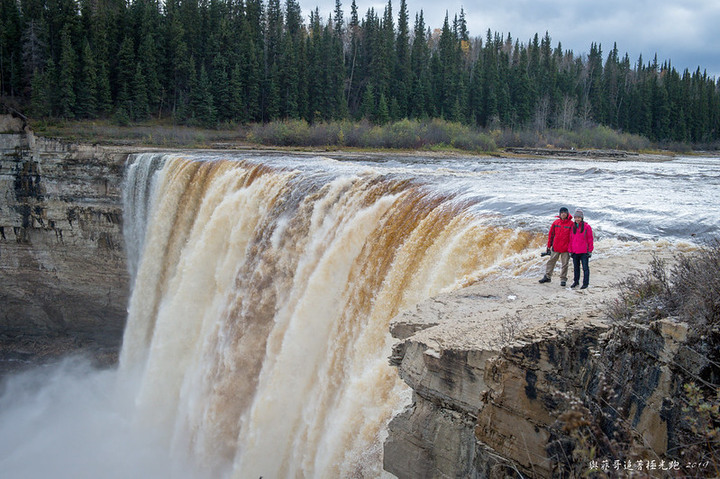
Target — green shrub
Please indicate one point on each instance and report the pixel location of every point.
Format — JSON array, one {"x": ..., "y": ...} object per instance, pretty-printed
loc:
[
  {"x": 282, "y": 133},
  {"x": 404, "y": 134}
]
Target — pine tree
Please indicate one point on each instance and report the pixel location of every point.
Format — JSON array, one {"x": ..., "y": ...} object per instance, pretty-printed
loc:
[
  {"x": 100, "y": 47},
  {"x": 367, "y": 107},
  {"x": 87, "y": 88},
  {"x": 289, "y": 76},
  {"x": 34, "y": 47},
  {"x": 351, "y": 92},
  {"x": 490, "y": 82},
  {"x": 40, "y": 105},
  {"x": 521, "y": 89},
  {"x": 338, "y": 23},
  {"x": 382, "y": 113},
  {"x": 402, "y": 81},
  {"x": 68, "y": 68},
  {"x": 317, "y": 80},
  {"x": 10, "y": 48},
  {"x": 419, "y": 64},
  {"x": 125, "y": 74},
  {"x": 202, "y": 108},
  {"x": 293, "y": 102},
  {"x": 593, "y": 85},
  {"x": 140, "y": 105},
  {"x": 250, "y": 76},
  {"x": 475, "y": 93},
  {"x": 148, "y": 58},
  {"x": 237, "y": 105},
  {"x": 271, "y": 83},
  {"x": 177, "y": 67},
  {"x": 660, "y": 111},
  {"x": 446, "y": 86}
]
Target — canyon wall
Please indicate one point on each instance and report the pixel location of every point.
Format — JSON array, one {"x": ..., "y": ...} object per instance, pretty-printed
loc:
[{"x": 61, "y": 246}]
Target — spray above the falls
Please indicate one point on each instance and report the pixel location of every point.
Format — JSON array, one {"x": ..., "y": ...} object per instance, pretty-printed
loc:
[{"x": 258, "y": 323}]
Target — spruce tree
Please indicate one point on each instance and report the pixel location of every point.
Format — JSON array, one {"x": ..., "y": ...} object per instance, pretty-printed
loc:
[
  {"x": 34, "y": 47},
  {"x": 125, "y": 75},
  {"x": 68, "y": 69},
  {"x": 40, "y": 105},
  {"x": 660, "y": 111},
  {"x": 10, "y": 48},
  {"x": 178, "y": 69},
  {"x": 100, "y": 47},
  {"x": 351, "y": 92},
  {"x": 250, "y": 76},
  {"x": 521, "y": 89},
  {"x": 367, "y": 107},
  {"x": 490, "y": 82},
  {"x": 402, "y": 80},
  {"x": 475, "y": 93},
  {"x": 237, "y": 104},
  {"x": 419, "y": 64},
  {"x": 382, "y": 113},
  {"x": 148, "y": 60},
  {"x": 50, "y": 86},
  {"x": 201, "y": 101},
  {"x": 140, "y": 105},
  {"x": 317, "y": 79},
  {"x": 87, "y": 89},
  {"x": 338, "y": 20}
]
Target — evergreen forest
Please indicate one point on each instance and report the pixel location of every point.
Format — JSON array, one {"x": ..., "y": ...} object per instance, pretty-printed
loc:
[{"x": 212, "y": 62}]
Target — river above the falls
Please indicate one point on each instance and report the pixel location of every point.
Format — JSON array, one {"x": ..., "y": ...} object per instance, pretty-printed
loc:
[{"x": 630, "y": 199}]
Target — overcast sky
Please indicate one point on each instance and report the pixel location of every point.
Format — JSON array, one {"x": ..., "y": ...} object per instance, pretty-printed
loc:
[{"x": 685, "y": 32}]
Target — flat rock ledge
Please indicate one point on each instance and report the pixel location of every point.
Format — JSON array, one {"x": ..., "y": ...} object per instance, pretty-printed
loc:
[{"x": 489, "y": 366}]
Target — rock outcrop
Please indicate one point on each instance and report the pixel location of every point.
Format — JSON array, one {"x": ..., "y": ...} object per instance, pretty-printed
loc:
[
  {"x": 493, "y": 367},
  {"x": 61, "y": 247}
]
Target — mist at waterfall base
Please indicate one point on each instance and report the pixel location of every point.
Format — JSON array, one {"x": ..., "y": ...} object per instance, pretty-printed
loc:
[{"x": 257, "y": 334}]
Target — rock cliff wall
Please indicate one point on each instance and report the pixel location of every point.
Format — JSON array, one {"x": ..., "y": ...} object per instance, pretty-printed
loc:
[
  {"x": 494, "y": 367},
  {"x": 61, "y": 247}
]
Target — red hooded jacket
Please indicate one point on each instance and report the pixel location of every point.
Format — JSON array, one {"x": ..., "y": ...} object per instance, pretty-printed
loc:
[
  {"x": 559, "y": 236},
  {"x": 581, "y": 239}
]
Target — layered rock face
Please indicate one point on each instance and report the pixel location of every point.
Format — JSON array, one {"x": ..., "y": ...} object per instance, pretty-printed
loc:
[
  {"x": 61, "y": 247},
  {"x": 493, "y": 369}
]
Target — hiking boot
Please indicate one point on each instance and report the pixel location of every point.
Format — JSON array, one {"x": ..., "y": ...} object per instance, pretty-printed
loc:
[
  {"x": 574, "y": 285},
  {"x": 544, "y": 279},
  {"x": 562, "y": 283}
]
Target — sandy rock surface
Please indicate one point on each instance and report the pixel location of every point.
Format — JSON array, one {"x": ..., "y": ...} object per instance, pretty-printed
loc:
[{"x": 489, "y": 313}]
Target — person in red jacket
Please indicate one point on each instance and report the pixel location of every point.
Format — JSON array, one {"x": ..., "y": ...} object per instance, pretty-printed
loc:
[
  {"x": 581, "y": 247},
  {"x": 557, "y": 246}
]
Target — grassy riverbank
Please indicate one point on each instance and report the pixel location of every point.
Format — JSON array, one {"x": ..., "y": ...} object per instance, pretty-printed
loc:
[{"x": 431, "y": 135}]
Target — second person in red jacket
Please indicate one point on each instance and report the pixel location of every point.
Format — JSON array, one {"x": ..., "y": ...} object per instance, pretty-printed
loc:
[{"x": 558, "y": 241}]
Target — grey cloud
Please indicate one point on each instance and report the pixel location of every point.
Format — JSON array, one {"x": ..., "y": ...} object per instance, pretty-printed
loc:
[{"x": 686, "y": 33}]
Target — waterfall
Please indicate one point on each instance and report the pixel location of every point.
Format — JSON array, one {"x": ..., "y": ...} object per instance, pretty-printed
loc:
[{"x": 263, "y": 290}]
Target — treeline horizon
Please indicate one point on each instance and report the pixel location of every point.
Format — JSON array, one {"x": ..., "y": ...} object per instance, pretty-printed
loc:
[{"x": 212, "y": 62}]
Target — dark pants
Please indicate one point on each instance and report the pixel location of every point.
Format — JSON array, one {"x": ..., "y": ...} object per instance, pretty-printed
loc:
[{"x": 581, "y": 259}]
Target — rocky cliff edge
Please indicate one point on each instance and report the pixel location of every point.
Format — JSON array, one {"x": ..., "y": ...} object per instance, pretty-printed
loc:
[{"x": 494, "y": 365}]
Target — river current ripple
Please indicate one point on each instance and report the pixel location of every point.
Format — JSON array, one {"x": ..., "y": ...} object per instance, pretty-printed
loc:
[{"x": 675, "y": 199}]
